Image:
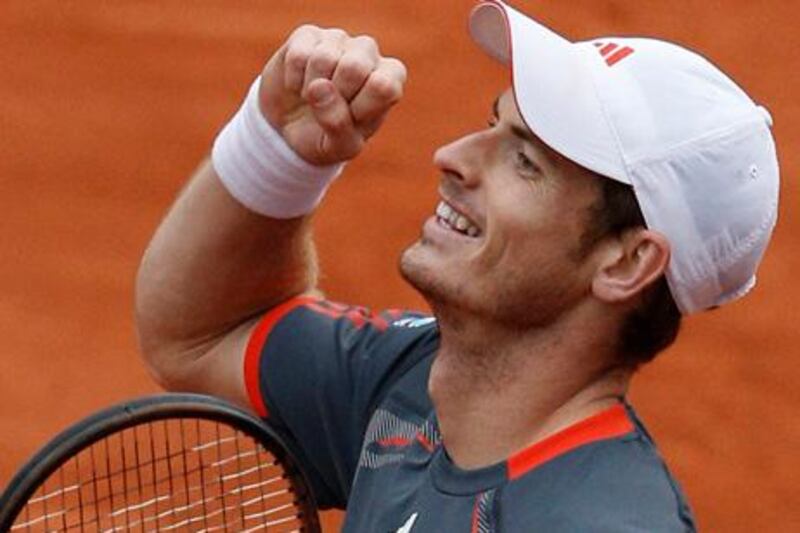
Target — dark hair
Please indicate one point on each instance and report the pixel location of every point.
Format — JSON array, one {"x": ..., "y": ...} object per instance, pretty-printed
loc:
[{"x": 653, "y": 325}]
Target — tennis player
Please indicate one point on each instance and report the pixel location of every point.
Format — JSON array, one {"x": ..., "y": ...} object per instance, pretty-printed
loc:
[{"x": 620, "y": 185}]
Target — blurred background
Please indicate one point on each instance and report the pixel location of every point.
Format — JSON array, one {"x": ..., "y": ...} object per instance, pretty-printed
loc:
[{"x": 107, "y": 107}]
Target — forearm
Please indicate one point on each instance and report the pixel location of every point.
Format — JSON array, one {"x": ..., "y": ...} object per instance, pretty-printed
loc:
[
  {"x": 212, "y": 264},
  {"x": 232, "y": 248}
]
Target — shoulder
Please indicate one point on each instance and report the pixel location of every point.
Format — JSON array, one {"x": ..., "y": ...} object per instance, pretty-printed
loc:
[
  {"x": 358, "y": 352},
  {"x": 313, "y": 321},
  {"x": 614, "y": 485}
]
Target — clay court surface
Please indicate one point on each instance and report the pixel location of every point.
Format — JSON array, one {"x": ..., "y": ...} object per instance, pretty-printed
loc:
[{"x": 107, "y": 107}]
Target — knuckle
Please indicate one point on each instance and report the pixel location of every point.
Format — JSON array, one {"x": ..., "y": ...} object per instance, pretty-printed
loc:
[
  {"x": 366, "y": 42},
  {"x": 306, "y": 28},
  {"x": 297, "y": 57},
  {"x": 403, "y": 71},
  {"x": 324, "y": 58},
  {"x": 354, "y": 69},
  {"x": 398, "y": 67},
  {"x": 385, "y": 88},
  {"x": 304, "y": 31},
  {"x": 335, "y": 34}
]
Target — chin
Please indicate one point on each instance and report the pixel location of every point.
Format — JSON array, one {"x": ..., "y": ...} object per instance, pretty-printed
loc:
[
  {"x": 419, "y": 269},
  {"x": 513, "y": 303},
  {"x": 423, "y": 269},
  {"x": 412, "y": 266}
]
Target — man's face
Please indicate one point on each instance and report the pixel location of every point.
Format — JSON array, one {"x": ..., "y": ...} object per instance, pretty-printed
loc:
[{"x": 505, "y": 241}]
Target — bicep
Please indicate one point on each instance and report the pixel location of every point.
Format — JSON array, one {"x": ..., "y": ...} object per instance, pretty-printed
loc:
[
  {"x": 218, "y": 366},
  {"x": 210, "y": 266},
  {"x": 213, "y": 366}
]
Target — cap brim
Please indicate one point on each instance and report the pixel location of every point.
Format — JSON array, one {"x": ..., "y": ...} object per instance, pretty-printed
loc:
[{"x": 552, "y": 86}]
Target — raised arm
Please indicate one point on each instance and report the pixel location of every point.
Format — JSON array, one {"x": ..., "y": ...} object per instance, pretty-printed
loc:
[{"x": 215, "y": 265}]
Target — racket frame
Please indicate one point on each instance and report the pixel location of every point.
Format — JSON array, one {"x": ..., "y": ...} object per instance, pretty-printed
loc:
[{"x": 92, "y": 429}]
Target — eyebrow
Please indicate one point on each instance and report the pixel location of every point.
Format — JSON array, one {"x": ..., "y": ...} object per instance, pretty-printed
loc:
[{"x": 525, "y": 134}]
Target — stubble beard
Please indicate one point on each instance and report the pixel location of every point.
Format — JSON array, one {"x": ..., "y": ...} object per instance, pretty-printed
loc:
[
  {"x": 515, "y": 304},
  {"x": 444, "y": 296}
]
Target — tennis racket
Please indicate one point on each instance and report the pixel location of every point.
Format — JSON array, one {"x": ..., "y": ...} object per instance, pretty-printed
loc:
[{"x": 171, "y": 462}]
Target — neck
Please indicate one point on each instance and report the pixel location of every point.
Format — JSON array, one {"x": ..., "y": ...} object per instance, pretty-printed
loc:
[{"x": 498, "y": 391}]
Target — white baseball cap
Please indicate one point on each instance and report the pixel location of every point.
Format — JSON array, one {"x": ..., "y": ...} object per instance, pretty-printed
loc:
[{"x": 696, "y": 149}]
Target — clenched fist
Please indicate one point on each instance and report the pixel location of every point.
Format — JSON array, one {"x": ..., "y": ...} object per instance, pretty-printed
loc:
[{"x": 328, "y": 92}]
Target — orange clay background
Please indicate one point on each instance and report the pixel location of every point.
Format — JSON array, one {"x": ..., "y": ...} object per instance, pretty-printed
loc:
[{"x": 107, "y": 107}]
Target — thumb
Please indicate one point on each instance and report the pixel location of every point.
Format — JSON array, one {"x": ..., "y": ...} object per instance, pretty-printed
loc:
[{"x": 340, "y": 139}]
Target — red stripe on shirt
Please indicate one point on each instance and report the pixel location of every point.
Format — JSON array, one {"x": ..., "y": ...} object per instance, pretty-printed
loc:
[
  {"x": 608, "y": 424},
  {"x": 398, "y": 441},
  {"x": 476, "y": 514},
  {"x": 425, "y": 442},
  {"x": 258, "y": 338}
]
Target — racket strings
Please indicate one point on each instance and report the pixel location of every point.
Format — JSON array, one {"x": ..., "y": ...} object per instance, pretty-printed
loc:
[
  {"x": 62, "y": 492},
  {"x": 167, "y": 476},
  {"x": 136, "y": 469}
]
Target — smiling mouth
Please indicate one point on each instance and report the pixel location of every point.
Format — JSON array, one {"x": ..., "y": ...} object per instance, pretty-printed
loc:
[{"x": 447, "y": 216}]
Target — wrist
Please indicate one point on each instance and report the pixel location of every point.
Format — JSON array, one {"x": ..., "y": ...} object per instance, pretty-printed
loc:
[{"x": 261, "y": 171}]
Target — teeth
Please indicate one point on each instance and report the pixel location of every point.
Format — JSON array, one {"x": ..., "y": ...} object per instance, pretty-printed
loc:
[
  {"x": 455, "y": 220},
  {"x": 452, "y": 218}
]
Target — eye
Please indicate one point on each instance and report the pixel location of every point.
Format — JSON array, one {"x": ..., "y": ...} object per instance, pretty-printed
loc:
[{"x": 525, "y": 165}]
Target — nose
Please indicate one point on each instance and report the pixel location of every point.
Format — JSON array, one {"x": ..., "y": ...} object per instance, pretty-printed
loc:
[{"x": 464, "y": 159}]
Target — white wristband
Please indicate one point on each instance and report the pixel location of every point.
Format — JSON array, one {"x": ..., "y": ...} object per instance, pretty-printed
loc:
[{"x": 262, "y": 171}]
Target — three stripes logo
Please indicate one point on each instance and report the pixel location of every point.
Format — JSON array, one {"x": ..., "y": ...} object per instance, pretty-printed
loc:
[{"x": 613, "y": 53}]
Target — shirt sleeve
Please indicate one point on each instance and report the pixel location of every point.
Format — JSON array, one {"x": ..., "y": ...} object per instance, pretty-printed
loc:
[{"x": 317, "y": 370}]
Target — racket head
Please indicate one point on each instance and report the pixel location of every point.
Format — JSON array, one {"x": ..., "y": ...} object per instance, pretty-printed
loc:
[{"x": 168, "y": 412}]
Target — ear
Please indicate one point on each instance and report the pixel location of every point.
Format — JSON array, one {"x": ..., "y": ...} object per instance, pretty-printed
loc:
[{"x": 630, "y": 264}]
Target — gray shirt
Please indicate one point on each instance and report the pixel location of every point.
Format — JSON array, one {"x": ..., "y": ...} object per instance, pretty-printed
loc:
[{"x": 349, "y": 390}]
